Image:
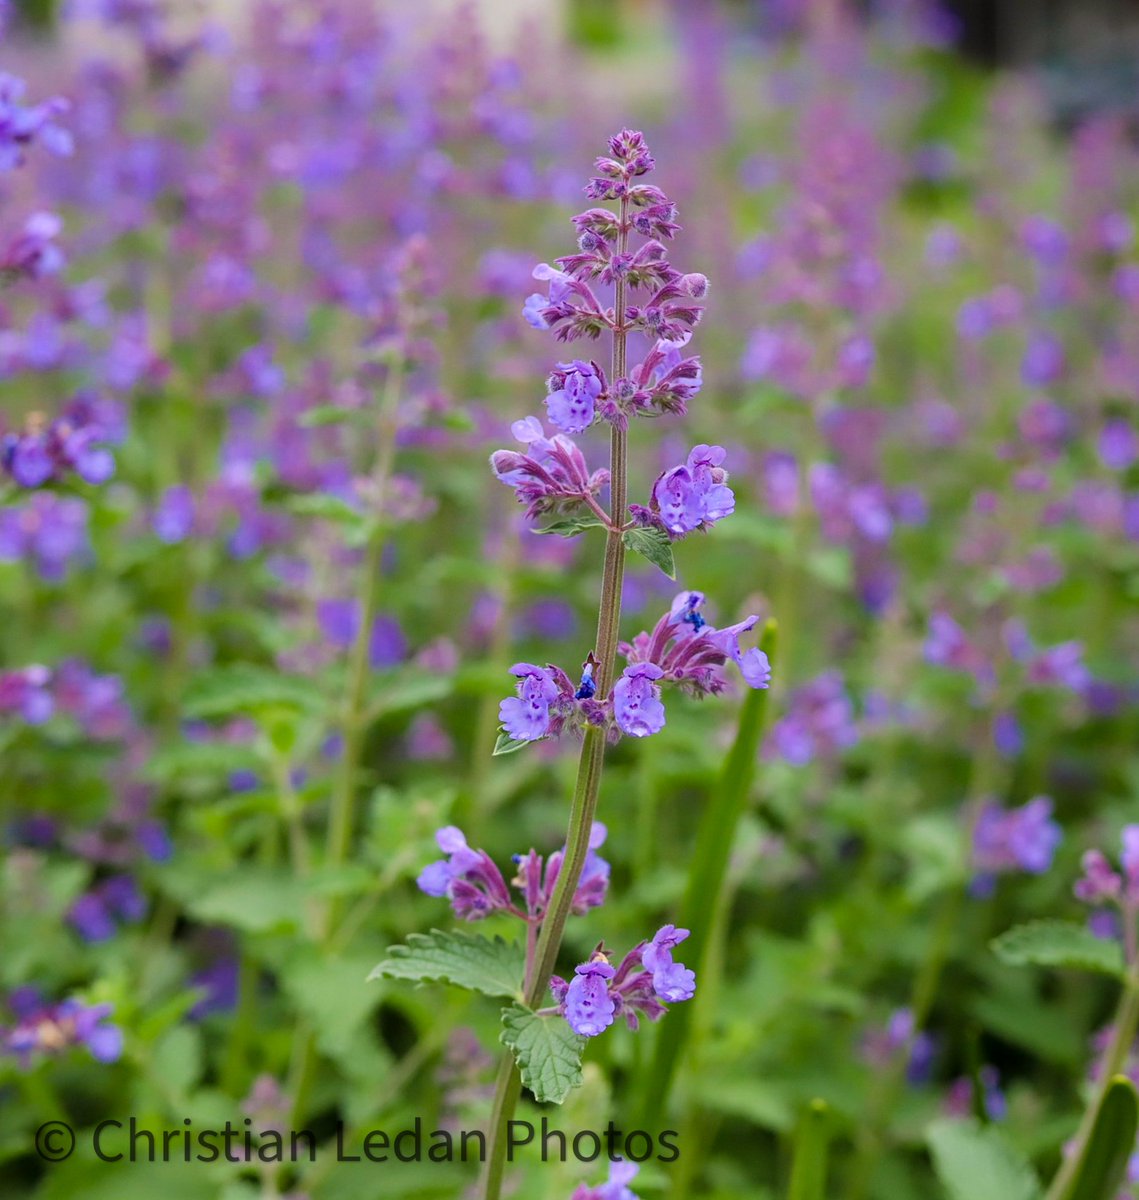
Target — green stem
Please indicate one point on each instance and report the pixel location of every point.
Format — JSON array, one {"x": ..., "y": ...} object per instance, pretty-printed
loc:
[
  {"x": 1122, "y": 1039},
  {"x": 590, "y": 764},
  {"x": 354, "y": 722}
]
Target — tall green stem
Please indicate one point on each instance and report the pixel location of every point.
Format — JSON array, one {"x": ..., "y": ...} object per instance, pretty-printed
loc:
[
  {"x": 1122, "y": 1039},
  {"x": 354, "y": 714},
  {"x": 508, "y": 1085}
]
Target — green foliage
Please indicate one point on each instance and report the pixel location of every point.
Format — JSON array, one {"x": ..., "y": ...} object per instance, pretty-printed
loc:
[
  {"x": 809, "y": 1166},
  {"x": 653, "y": 544},
  {"x": 1102, "y": 1167},
  {"x": 977, "y": 1162},
  {"x": 547, "y": 1051},
  {"x": 467, "y": 960},
  {"x": 1059, "y": 944}
]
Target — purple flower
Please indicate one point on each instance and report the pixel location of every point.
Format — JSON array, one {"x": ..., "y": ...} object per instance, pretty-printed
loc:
[
  {"x": 1043, "y": 361},
  {"x": 468, "y": 878},
  {"x": 1118, "y": 445},
  {"x": 43, "y": 1029},
  {"x": 33, "y": 254},
  {"x": 173, "y": 519},
  {"x": 20, "y": 125},
  {"x": 621, "y": 1174},
  {"x": 589, "y": 1008},
  {"x": 551, "y": 475},
  {"x": 1023, "y": 839},
  {"x": 645, "y": 980},
  {"x": 692, "y": 653},
  {"x": 672, "y": 981},
  {"x": 573, "y": 390},
  {"x": 526, "y": 717},
  {"x": 819, "y": 722},
  {"x": 533, "y": 310},
  {"x": 637, "y": 706},
  {"x": 693, "y": 496}
]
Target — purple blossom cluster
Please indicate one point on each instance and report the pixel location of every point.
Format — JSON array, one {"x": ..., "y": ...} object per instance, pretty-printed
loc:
[
  {"x": 40, "y": 1029},
  {"x": 553, "y": 476},
  {"x": 22, "y": 125},
  {"x": 75, "y": 443},
  {"x": 1014, "y": 839},
  {"x": 682, "y": 650},
  {"x": 639, "y": 986},
  {"x": 616, "y": 1187},
  {"x": 818, "y": 722},
  {"x": 472, "y": 882},
  {"x": 95, "y": 702}
]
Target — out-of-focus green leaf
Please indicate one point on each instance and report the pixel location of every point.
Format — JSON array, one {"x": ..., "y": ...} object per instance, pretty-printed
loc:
[
  {"x": 977, "y": 1162},
  {"x": 1059, "y": 944}
]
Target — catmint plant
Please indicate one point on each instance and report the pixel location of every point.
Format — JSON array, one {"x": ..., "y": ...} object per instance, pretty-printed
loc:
[{"x": 619, "y": 284}]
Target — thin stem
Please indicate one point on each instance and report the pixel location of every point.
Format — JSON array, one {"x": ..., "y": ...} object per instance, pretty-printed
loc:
[
  {"x": 591, "y": 762},
  {"x": 1122, "y": 1039},
  {"x": 354, "y": 717}
]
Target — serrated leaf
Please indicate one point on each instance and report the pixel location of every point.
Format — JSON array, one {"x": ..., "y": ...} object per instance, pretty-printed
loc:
[
  {"x": 976, "y": 1162},
  {"x": 653, "y": 544},
  {"x": 571, "y": 526},
  {"x": 505, "y": 744},
  {"x": 547, "y": 1051},
  {"x": 244, "y": 688},
  {"x": 1101, "y": 1169},
  {"x": 467, "y": 960},
  {"x": 1058, "y": 944}
]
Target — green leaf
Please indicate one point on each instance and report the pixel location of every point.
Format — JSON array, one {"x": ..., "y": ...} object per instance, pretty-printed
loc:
[
  {"x": 707, "y": 876},
  {"x": 326, "y": 414},
  {"x": 256, "y": 900},
  {"x": 976, "y": 1162},
  {"x": 547, "y": 1051},
  {"x": 327, "y": 507},
  {"x": 506, "y": 744},
  {"x": 467, "y": 960},
  {"x": 809, "y": 1172},
  {"x": 1058, "y": 944},
  {"x": 571, "y": 526},
  {"x": 652, "y": 544},
  {"x": 244, "y": 688},
  {"x": 1102, "y": 1167}
]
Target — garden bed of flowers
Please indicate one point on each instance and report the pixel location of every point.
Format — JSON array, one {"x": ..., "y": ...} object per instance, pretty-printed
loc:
[{"x": 570, "y": 614}]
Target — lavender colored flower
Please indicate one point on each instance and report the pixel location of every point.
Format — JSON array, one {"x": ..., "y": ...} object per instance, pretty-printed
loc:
[
  {"x": 695, "y": 495},
  {"x": 33, "y": 253},
  {"x": 637, "y": 706},
  {"x": 52, "y": 1029},
  {"x": 173, "y": 519},
  {"x": 1017, "y": 839},
  {"x": 468, "y": 878},
  {"x": 616, "y": 1187},
  {"x": 526, "y": 717},
  {"x": 589, "y": 1008},
  {"x": 21, "y": 125},
  {"x": 645, "y": 980},
  {"x": 691, "y": 652},
  {"x": 1043, "y": 361},
  {"x": 1100, "y": 884},
  {"x": 574, "y": 389},
  {"x": 672, "y": 981},
  {"x": 28, "y": 692},
  {"x": 819, "y": 722},
  {"x": 552, "y": 475},
  {"x": 1118, "y": 445}
]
